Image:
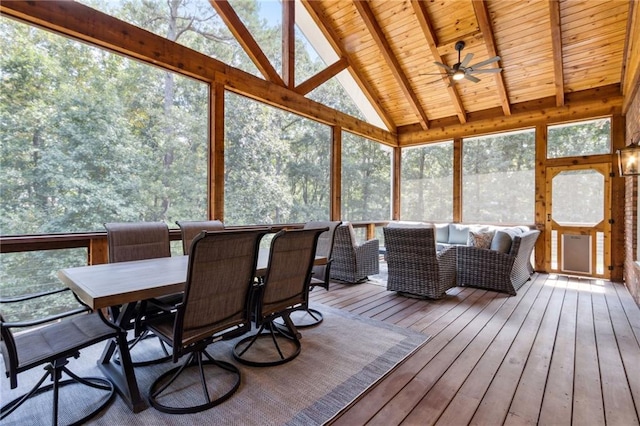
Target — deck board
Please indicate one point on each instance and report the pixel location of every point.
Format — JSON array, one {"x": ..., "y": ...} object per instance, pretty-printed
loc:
[{"x": 562, "y": 351}]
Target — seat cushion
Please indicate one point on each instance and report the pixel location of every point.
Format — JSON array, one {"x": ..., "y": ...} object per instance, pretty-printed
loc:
[{"x": 69, "y": 335}]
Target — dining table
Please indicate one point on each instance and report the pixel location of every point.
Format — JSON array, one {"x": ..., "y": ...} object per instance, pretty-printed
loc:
[{"x": 124, "y": 284}]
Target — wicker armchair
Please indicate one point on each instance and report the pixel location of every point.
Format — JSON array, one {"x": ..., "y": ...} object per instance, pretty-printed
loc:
[
  {"x": 353, "y": 263},
  {"x": 493, "y": 270},
  {"x": 415, "y": 268}
]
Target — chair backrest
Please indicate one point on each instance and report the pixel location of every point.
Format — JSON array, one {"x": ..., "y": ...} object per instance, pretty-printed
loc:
[
  {"x": 286, "y": 282},
  {"x": 222, "y": 267},
  {"x": 191, "y": 229},
  {"x": 324, "y": 248},
  {"x": 412, "y": 250},
  {"x": 137, "y": 241}
]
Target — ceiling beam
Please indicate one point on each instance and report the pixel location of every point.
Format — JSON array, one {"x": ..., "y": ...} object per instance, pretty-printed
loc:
[
  {"x": 288, "y": 43},
  {"x": 556, "y": 44},
  {"x": 600, "y": 102},
  {"x": 392, "y": 61},
  {"x": 323, "y": 76},
  {"x": 81, "y": 22},
  {"x": 246, "y": 40},
  {"x": 315, "y": 11},
  {"x": 482, "y": 15},
  {"x": 422, "y": 15}
]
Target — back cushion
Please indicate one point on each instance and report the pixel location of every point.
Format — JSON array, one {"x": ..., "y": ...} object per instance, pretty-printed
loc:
[
  {"x": 442, "y": 232},
  {"x": 458, "y": 234},
  {"x": 501, "y": 242}
]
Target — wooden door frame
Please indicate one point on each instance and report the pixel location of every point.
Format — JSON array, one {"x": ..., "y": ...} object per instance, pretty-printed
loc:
[{"x": 603, "y": 226}]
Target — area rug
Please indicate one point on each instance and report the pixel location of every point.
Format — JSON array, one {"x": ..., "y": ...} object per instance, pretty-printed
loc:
[{"x": 340, "y": 359}]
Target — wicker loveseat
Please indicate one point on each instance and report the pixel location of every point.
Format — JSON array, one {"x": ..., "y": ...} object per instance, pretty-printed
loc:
[
  {"x": 353, "y": 262},
  {"x": 497, "y": 270},
  {"x": 491, "y": 257}
]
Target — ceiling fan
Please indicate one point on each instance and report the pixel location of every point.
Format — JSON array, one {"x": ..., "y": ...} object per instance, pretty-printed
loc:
[{"x": 462, "y": 70}]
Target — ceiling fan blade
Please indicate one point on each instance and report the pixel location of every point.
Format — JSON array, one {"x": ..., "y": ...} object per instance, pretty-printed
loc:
[
  {"x": 487, "y": 62},
  {"x": 471, "y": 78},
  {"x": 466, "y": 60},
  {"x": 487, "y": 71},
  {"x": 446, "y": 67}
]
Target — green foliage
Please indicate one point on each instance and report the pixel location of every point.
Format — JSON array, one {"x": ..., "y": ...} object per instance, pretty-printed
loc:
[
  {"x": 427, "y": 183},
  {"x": 577, "y": 139},
  {"x": 366, "y": 179},
  {"x": 498, "y": 172}
]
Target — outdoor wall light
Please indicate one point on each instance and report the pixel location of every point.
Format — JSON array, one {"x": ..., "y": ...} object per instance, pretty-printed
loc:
[{"x": 629, "y": 159}]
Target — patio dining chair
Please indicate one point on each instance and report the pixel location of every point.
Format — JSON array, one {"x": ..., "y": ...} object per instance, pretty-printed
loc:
[
  {"x": 216, "y": 306},
  {"x": 321, "y": 275},
  {"x": 50, "y": 342},
  {"x": 285, "y": 289},
  {"x": 191, "y": 228},
  {"x": 129, "y": 241}
]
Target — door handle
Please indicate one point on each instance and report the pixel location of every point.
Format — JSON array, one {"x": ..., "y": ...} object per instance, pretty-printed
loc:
[{"x": 548, "y": 217}]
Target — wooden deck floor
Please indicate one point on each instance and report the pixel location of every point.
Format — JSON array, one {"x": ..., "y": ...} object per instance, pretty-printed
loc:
[{"x": 563, "y": 351}]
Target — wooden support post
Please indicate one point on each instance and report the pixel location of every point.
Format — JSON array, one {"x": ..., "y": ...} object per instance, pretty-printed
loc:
[{"x": 216, "y": 153}]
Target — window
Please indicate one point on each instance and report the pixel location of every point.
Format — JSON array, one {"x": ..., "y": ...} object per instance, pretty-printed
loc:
[
  {"x": 498, "y": 180},
  {"x": 366, "y": 179},
  {"x": 427, "y": 183},
  {"x": 191, "y": 23},
  {"x": 277, "y": 165},
  {"x": 92, "y": 137},
  {"x": 576, "y": 139}
]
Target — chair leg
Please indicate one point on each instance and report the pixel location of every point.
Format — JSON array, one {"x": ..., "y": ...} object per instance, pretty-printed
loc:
[
  {"x": 304, "y": 318},
  {"x": 146, "y": 334},
  {"x": 54, "y": 372},
  {"x": 271, "y": 330},
  {"x": 194, "y": 360}
]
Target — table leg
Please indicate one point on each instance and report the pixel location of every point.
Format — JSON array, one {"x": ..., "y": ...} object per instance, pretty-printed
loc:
[{"x": 122, "y": 373}]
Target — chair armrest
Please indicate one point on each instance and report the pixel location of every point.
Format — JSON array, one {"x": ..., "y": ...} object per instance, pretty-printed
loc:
[
  {"x": 474, "y": 260},
  {"x": 369, "y": 246},
  {"x": 368, "y": 257},
  {"x": 51, "y": 318},
  {"x": 485, "y": 268},
  {"x": 31, "y": 296}
]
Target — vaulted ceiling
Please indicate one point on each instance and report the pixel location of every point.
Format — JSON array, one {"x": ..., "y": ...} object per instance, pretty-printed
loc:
[{"x": 548, "y": 49}]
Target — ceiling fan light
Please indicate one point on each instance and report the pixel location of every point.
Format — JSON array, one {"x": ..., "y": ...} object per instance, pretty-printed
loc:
[{"x": 458, "y": 75}]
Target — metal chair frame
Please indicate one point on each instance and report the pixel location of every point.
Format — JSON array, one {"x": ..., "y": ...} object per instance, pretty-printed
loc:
[
  {"x": 191, "y": 329},
  {"x": 281, "y": 293},
  {"x": 55, "y": 363}
]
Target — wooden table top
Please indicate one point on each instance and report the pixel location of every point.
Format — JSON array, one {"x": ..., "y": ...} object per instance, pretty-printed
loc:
[{"x": 110, "y": 284}]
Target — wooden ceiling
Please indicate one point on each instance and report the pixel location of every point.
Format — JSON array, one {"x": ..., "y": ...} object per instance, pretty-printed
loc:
[{"x": 548, "y": 49}]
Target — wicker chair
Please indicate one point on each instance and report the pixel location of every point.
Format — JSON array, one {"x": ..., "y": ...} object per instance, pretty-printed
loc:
[
  {"x": 414, "y": 266},
  {"x": 353, "y": 263},
  {"x": 494, "y": 270},
  {"x": 51, "y": 342},
  {"x": 191, "y": 229},
  {"x": 285, "y": 289},
  {"x": 216, "y": 306}
]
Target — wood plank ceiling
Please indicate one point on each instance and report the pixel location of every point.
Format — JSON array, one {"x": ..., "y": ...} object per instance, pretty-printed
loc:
[{"x": 548, "y": 49}]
